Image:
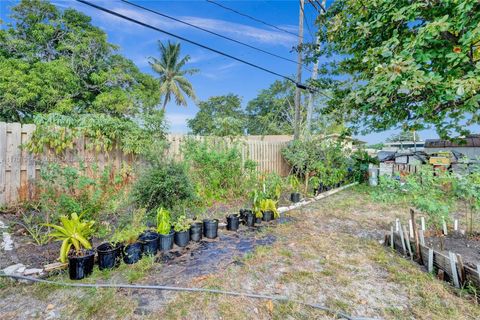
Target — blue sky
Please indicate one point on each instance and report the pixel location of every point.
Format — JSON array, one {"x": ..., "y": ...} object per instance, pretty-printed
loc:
[{"x": 218, "y": 75}]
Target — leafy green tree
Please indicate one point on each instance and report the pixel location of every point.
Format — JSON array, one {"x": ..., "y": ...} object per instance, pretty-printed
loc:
[
  {"x": 56, "y": 61},
  {"x": 172, "y": 75},
  {"x": 409, "y": 62},
  {"x": 404, "y": 136},
  {"x": 271, "y": 112},
  {"x": 219, "y": 116}
]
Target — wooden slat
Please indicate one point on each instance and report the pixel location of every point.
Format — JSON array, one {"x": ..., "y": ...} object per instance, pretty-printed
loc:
[
  {"x": 14, "y": 156},
  {"x": 29, "y": 161},
  {"x": 3, "y": 169}
]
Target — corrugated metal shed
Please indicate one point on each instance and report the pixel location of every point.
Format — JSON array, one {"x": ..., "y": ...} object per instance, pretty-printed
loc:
[{"x": 470, "y": 141}]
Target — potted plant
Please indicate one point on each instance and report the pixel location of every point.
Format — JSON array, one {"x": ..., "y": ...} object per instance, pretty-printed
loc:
[
  {"x": 164, "y": 229},
  {"x": 295, "y": 185},
  {"x": 75, "y": 232},
  {"x": 182, "y": 231},
  {"x": 196, "y": 230},
  {"x": 109, "y": 255},
  {"x": 132, "y": 248},
  {"x": 210, "y": 228},
  {"x": 269, "y": 209},
  {"x": 233, "y": 222},
  {"x": 248, "y": 218},
  {"x": 149, "y": 241},
  {"x": 257, "y": 212}
]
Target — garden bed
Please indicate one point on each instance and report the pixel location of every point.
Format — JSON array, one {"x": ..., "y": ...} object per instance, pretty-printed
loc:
[{"x": 337, "y": 262}]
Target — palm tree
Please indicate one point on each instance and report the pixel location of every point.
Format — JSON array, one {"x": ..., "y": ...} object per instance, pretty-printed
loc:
[{"x": 172, "y": 77}]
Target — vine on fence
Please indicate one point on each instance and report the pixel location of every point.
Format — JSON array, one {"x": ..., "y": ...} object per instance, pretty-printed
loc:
[{"x": 102, "y": 133}]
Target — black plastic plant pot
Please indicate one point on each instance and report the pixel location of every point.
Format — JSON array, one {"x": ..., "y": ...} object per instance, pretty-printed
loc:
[
  {"x": 196, "y": 231},
  {"x": 165, "y": 241},
  {"x": 267, "y": 215},
  {"x": 210, "y": 228},
  {"x": 258, "y": 220},
  {"x": 81, "y": 266},
  {"x": 295, "y": 197},
  {"x": 109, "y": 255},
  {"x": 149, "y": 241},
  {"x": 249, "y": 219},
  {"x": 132, "y": 253},
  {"x": 233, "y": 222},
  {"x": 182, "y": 238}
]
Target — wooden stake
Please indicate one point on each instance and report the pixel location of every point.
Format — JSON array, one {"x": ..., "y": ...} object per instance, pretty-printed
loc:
[
  {"x": 392, "y": 244},
  {"x": 453, "y": 268},
  {"x": 415, "y": 234},
  {"x": 410, "y": 228},
  {"x": 430, "y": 260},
  {"x": 455, "y": 225},
  {"x": 407, "y": 240},
  {"x": 422, "y": 237},
  {"x": 445, "y": 231},
  {"x": 461, "y": 269},
  {"x": 403, "y": 240},
  {"x": 397, "y": 225},
  {"x": 422, "y": 221}
]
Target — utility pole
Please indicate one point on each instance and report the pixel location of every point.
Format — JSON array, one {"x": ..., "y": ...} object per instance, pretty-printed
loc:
[
  {"x": 296, "y": 131},
  {"x": 314, "y": 77}
]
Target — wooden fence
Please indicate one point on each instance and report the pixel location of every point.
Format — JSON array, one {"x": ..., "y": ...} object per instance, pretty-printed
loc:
[{"x": 19, "y": 169}]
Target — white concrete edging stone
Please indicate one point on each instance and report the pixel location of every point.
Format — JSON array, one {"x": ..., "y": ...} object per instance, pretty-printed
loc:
[{"x": 310, "y": 200}]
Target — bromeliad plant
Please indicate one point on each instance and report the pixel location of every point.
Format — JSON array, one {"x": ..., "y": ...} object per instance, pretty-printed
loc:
[
  {"x": 72, "y": 232},
  {"x": 294, "y": 183},
  {"x": 269, "y": 205},
  {"x": 164, "y": 224}
]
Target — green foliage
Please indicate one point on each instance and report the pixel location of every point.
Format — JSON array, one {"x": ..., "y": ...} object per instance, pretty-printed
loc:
[
  {"x": 164, "y": 224},
  {"x": 163, "y": 184},
  {"x": 269, "y": 187},
  {"x": 172, "y": 81},
  {"x": 467, "y": 189},
  {"x": 55, "y": 60},
  {"x": 410, "y": 62},
  {"x": 181, "y": 224},
  {"x": 323, "y": 158},
  {"x": 271, "y": 111},
  {"x": 360, "y": 160},
  {"x": 72, "y": 232},
  {"x": 294, "y": 182},
  {"x": 102, "y": 133},
  {"x": 219, "y": 116},
  {"x": 429, "y": 190},
  {"x": 129, "y": 230},
  {"x": 217, "y": 169},
  {"x": 63, "y": 189},
  {"x": 404, "y": 136}
]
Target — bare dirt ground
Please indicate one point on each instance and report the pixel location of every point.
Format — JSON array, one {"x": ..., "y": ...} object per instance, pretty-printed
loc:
[{"x": 329, "y": 253}]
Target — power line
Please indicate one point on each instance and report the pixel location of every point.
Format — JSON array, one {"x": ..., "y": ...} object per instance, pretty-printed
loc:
[
  {"x": 146, "y": 25},
  {"x": 252, "y": 18},
  {"x": 212, "y": 32}
]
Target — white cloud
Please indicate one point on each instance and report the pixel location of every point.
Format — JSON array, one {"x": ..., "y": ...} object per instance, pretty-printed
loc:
[
  {"x": 242, "y": 31},
  {"x": 235, "y": 30},
  {"x": 220, "y": 72},
  {"x": 177, "y": 119}
]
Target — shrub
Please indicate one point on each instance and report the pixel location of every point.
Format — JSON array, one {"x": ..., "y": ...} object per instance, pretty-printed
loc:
[
  {"x": 163, "y": 184},
  {"x": 325, "y": 159},
  {"x": 64, "y": 189},
  {"x": 218, "y": 170}
]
